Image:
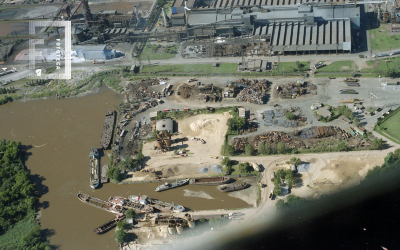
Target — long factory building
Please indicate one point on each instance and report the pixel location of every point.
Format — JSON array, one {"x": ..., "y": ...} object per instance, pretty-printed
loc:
[{"x": 289, "y": 29}]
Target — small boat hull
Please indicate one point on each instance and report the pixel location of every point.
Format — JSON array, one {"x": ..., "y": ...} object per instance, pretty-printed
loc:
[
  {"x": 167, "y": 186},
  {"x": 233, "y": 187}
]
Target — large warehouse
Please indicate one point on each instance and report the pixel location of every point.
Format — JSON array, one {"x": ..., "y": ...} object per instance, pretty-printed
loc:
[{"x": 291, "y": 28}]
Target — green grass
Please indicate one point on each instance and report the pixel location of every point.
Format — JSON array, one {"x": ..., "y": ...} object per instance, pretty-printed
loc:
[
  {"x": 12, "y": 237},
  {"x": 383, "y": 65},
  {"x": 149, "y": 52},
  {"x": 338, "y": 67},
  {"x": 291, "y": 67},
  {"x": 191, "y": 68},
  {"x": 392, "y": 126},
  {"x": 370, "y": 62},
  {"x": 381, "y": 40}
]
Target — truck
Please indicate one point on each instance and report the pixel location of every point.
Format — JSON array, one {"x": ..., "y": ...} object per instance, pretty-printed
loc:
[
  {"x": 319, "y": 65},
  {"x": 192, "y": 80},
  {"x": 347, "y": 91},
  {"x": 349, "y": 79}
]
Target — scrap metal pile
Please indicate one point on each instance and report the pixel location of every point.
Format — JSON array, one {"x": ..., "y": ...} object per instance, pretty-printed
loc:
[
  {"x": 293, "y": 89},
  {"x": 138, "y": 91},
  {"x": 254, "y": 91},
  {"x": 206, "y": 93},
  {"x": 305, "y": 138}
]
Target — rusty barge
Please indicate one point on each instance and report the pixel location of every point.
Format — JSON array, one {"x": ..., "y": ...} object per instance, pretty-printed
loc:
[
  {"x": 108, "y": 127},
  {"x": 107, "y": 206},
  {"x": 209, "y": 181},
  {"x": 108, "y": 225}
]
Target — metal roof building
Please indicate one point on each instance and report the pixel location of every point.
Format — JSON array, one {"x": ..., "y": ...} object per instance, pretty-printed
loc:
[
  {"x": 97, "y": 52},
  {"x": 290, "y": 28},
  {"x": 165, "y": 125}
]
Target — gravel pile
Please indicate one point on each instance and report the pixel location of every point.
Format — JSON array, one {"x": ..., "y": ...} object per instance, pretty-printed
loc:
[
  {"x": 216, "y": 168},
  {"x": 203, "y": 170},
  {"x": 305, "y": 167}
]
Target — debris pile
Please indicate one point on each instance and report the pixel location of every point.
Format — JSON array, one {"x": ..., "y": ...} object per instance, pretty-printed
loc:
[
  {"x": 319, "y": 132},
  {"x": 240, "y": 143},
  {"x": 272, "y": 137},
  {"x": 253, "y": 91},
  {"x": 294, "y": 89}
]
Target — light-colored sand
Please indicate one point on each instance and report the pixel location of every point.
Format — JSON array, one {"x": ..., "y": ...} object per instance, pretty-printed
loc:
[{"x": 199, "y": 194}]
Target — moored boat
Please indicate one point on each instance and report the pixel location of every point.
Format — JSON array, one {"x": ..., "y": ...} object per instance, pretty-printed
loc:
[
  {"x": 108, "y": 225},
  {"x": 125, "y": 203},
  {"x": 159, "y": 205},
  {"x": 107, "y": 206},
  {"x": 233, "y": 187},
  {"x": 108, "y": 126},
  {"x": 167, "y": 185},
  {"x": 210, "y": 181},
  {"x": 94, "y": 168}
]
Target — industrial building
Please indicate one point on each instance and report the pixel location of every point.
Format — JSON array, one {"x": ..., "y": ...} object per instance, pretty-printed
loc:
[
  {"x": 166, "y": 125},
  {"x": 290, "y": 28},
  {"x": 99, "y": 52}
]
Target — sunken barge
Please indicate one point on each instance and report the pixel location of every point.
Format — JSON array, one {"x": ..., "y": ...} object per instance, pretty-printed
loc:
[{"x": 108, "y": 127}]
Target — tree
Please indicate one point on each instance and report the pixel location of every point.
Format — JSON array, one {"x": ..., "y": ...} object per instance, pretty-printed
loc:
[
  {"x": 290, "y": 116},
  {"x": 244, "y": 167},
  {"x": 356, "y": 121},
  {"x": 289, "y": 178},
  {"x": 281, "y": 149},
  {"x": 130, "y": 213},
  {"x": 268, "y": 149},
  {"x": 120, "y": 236},
  {"x": 229, "y": 150},
  {"x": 249, "y": 149},
  {"x": 226, "y": 161},
  {"x": 278, "y": 190},
  {"x": 261, "y": 148},
  {"x": 377, "y": 144},
  {"x": 280, "y": 204},
  {"x": 294, "y": 201}
]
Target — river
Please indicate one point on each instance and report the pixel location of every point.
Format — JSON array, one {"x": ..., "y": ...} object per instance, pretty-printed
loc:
[{"x": 58, "y": 135}]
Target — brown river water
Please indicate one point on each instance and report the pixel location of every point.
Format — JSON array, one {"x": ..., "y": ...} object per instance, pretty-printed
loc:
[{"x": 58, "y": 135}]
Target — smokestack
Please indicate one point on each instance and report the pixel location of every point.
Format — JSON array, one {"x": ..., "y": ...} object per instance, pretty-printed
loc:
[{"x": 164, "y": 17}]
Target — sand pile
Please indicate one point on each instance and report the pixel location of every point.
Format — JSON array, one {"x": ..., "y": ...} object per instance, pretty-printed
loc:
[
  {"x": 200, "y": 194},
  {"x": 201, "y": 124}
]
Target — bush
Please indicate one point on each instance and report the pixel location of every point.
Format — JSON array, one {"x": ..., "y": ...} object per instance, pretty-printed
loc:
[
  {"x": 377, "y": 144},
  {"x": 249, "y": 149},
  {"x": 280, "y": 204},
  {"x": 280, "y": 147},
  {"x": 229, "y": 150},
  {"x": 261, "y": 148},
  {"x": 356, "y": 121},
  {"x": 290, "y": 116}
]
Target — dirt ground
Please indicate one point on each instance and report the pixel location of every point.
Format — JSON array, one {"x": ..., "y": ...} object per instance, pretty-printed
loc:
[
  {"x": 121, "y": 7},
  {"x": 20, "y": 28},
  {"x": 213, "y": 128}
]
